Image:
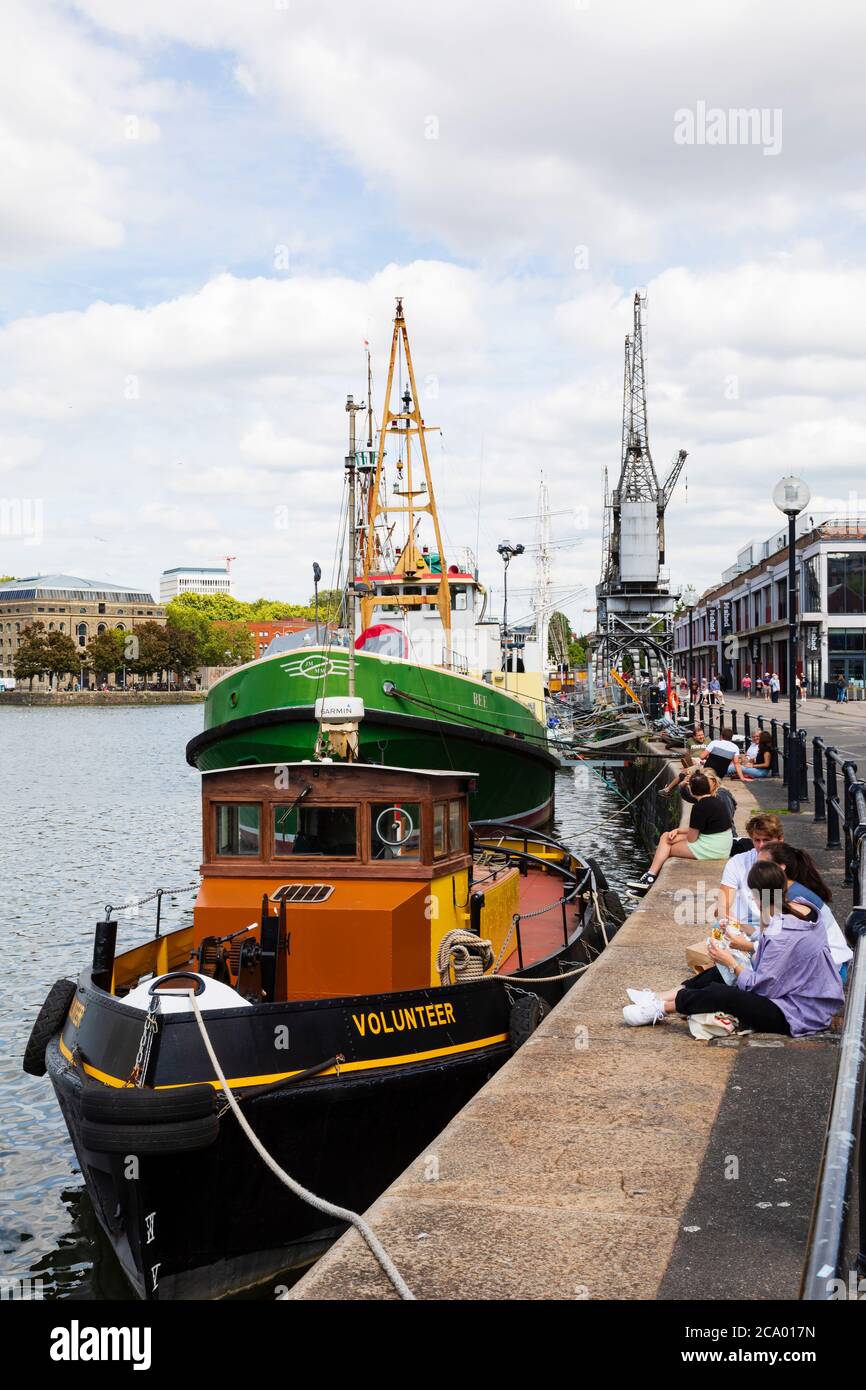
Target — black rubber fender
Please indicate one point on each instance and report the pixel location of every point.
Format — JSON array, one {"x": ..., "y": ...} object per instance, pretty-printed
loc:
[
  {"x": 49, "y": 1020},
  {"x": 614, "y": 910},
  {"x": 601, "y": 882},
  {"x": 526, "y": 1014},
  {"x": 129, "y": 1105},
  {"x": 176, "y": 1136}
]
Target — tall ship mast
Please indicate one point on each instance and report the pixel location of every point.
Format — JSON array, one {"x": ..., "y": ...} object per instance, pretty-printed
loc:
[{"x": 418, "y": 677}]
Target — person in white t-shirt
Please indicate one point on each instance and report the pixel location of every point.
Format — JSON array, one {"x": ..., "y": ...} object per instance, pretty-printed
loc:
[
  {"x": 735, "y": 898},
  {"x": 722, "y": 754}
]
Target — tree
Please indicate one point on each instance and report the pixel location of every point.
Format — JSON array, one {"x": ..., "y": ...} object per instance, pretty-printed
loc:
[
  {"x": 230, "y": 645},
  {"x": 31, "y": 658},
  {"x": 184, "y": 650},
  {"x": 224, "y": 608},
  {"x": 63, "y": 654},
  {"x": 330, "y": 605},
  {"x": 558, "y": 638},
  {"x": 146, "y": 649},
  {"x": 105, "y": 652}
]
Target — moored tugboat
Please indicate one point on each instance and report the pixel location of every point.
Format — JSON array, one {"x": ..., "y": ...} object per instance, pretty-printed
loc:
[{"x": 363, "y": 962}]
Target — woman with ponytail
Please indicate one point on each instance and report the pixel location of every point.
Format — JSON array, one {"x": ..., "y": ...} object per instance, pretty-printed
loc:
[{"x": 804, "y": 883}]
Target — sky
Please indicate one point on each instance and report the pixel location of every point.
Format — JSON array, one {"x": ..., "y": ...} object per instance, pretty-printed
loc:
[{"x": 207, "y": 206}]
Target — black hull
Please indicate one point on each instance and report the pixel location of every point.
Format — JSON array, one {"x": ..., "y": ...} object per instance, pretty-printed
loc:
[
  {"x": 223, "y": 1222},
  {"x": 208, "y": 1222}
]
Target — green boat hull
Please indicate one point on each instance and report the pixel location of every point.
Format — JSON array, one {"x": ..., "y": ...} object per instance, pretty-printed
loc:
[{"x": 415, "y": 717}]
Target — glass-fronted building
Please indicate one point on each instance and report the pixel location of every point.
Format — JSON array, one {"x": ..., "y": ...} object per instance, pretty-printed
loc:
[{"x": 740, "y": 626}]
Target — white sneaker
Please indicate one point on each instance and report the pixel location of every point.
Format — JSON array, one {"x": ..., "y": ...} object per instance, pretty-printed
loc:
[
  {"x": 648, "y": 1010},
  {"x": 637, "y": 996}
]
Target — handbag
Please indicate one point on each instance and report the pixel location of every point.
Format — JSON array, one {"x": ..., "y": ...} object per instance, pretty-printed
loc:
[{"x": 717, "y": 1025}]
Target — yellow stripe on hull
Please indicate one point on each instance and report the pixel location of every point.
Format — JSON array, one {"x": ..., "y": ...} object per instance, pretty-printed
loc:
[{"x": 238, "y": 1081}]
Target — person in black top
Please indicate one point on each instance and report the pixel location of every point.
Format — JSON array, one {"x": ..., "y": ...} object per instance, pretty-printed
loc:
[{"x": 708, "y": 835}]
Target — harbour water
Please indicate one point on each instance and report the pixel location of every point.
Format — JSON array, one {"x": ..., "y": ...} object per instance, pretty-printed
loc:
[{"x": 100, "y": 807}]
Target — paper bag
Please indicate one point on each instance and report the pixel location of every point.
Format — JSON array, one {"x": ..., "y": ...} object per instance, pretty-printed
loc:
[{"x": 698, "y": 957}]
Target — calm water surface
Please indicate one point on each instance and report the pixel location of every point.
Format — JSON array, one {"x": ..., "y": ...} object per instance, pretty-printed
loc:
[{"x": 99, "y": 806}]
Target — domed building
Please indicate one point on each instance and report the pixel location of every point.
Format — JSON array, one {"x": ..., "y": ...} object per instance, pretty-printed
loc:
[{"x": 80, "y": 608}]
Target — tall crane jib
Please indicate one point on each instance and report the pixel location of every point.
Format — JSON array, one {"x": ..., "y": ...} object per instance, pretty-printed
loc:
[{"x": 635, "y": 608}]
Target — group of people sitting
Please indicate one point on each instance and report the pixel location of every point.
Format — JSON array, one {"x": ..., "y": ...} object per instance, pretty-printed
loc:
[
  {"x": 779, "y": 955},
  {"x": 724, "y": 757}
]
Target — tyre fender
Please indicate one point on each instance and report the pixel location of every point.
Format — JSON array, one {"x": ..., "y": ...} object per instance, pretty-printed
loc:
[
  {"x": 49, "y": 1020},
  {"x": 527, "y": 1011}
]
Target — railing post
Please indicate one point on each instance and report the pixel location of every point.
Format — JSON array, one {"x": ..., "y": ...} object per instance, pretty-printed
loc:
[
  {"x": 858, "y": 835},
  {"x": 774, "y": 755},
  {"x": 747, "y": 727},
  {"x": 849, "y": 775},
  {"x": 803, "y": 764},
  {"x": 786, "y": 735},
  {"x": 818, "y": 779},
  {"x": 833, "y": 840},
  {"x": 733, "y": 720}
]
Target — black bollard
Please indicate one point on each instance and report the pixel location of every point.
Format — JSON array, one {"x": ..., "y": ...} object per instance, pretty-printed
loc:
[{"x": 104, "y": 943}]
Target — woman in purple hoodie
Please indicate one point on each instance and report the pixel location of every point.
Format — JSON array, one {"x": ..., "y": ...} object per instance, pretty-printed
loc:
[{"x": 790, "y": 986}]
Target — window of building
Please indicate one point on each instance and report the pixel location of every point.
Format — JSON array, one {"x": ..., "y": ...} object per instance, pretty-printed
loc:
[
  {"x": 846, "y": 654},
  {"x": 328, "y": 830},
  {"x": 810, "y": 585},
  {"x": 238, "y": 828},
  {"x": 781, "y": 598},
  {"x": 82, "y": 634},
  {"x": 846, "y": 583},
  {"x": 395, "y": 830}
]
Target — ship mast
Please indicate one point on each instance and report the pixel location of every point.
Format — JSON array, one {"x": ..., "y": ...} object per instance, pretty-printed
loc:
[
  {"x": 542, "y": 598},
  {"x": 409, "y": 428}
]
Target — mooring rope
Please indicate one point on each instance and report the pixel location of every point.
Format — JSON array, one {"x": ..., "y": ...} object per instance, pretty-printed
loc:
[{"x": 327, "y": 1208}]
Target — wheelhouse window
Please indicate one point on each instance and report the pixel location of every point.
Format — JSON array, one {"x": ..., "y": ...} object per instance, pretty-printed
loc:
[
  {"x": 455, "y": 826},
  {"x": 440, "y": 843},
  {"x": 238, "y": 828},
  {"x": 395, "y": 830},
  {"x": 325, "y": 830}
]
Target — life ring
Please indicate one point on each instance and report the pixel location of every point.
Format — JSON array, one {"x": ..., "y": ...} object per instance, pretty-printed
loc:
[{"x": 400, "y": 815}]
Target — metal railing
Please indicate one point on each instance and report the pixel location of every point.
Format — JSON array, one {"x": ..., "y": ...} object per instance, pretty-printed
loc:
[{"x": 836, "y": 1252}]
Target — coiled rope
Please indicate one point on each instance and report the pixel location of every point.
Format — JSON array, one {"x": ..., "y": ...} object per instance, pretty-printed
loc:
[
  {"x": 466, "y": 954},
  {"x": 319, "y": 1203}
]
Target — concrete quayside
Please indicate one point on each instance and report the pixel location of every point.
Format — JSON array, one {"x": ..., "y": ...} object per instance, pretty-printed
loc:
[{"x": 605, "y": 1162}]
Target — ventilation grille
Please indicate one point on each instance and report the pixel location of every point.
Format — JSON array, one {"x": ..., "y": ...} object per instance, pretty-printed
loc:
[{"x": 302, "y": 893}]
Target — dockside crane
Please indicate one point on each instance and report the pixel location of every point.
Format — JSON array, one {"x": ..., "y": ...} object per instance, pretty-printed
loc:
[{"x": 635, "y": 607}]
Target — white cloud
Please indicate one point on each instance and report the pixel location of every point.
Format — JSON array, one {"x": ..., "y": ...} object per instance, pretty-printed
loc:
[
  {"x": 74, "y": 113},
  {"x": 503, "y": 129}
]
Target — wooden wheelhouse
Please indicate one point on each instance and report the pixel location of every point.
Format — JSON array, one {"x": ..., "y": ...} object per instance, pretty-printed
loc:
[{"x": 363, "y": 869}]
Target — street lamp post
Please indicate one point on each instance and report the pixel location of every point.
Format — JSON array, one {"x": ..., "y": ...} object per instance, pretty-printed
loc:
[
  {"x": 507, "y": 551},
  {"x": 689, "y": 598},
  {"x": 317, "y": 574},
  {"x": 791, "y": 496}
]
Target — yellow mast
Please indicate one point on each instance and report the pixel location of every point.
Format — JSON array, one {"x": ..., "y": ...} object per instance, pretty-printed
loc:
[{"x": 406, "y": 424}]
